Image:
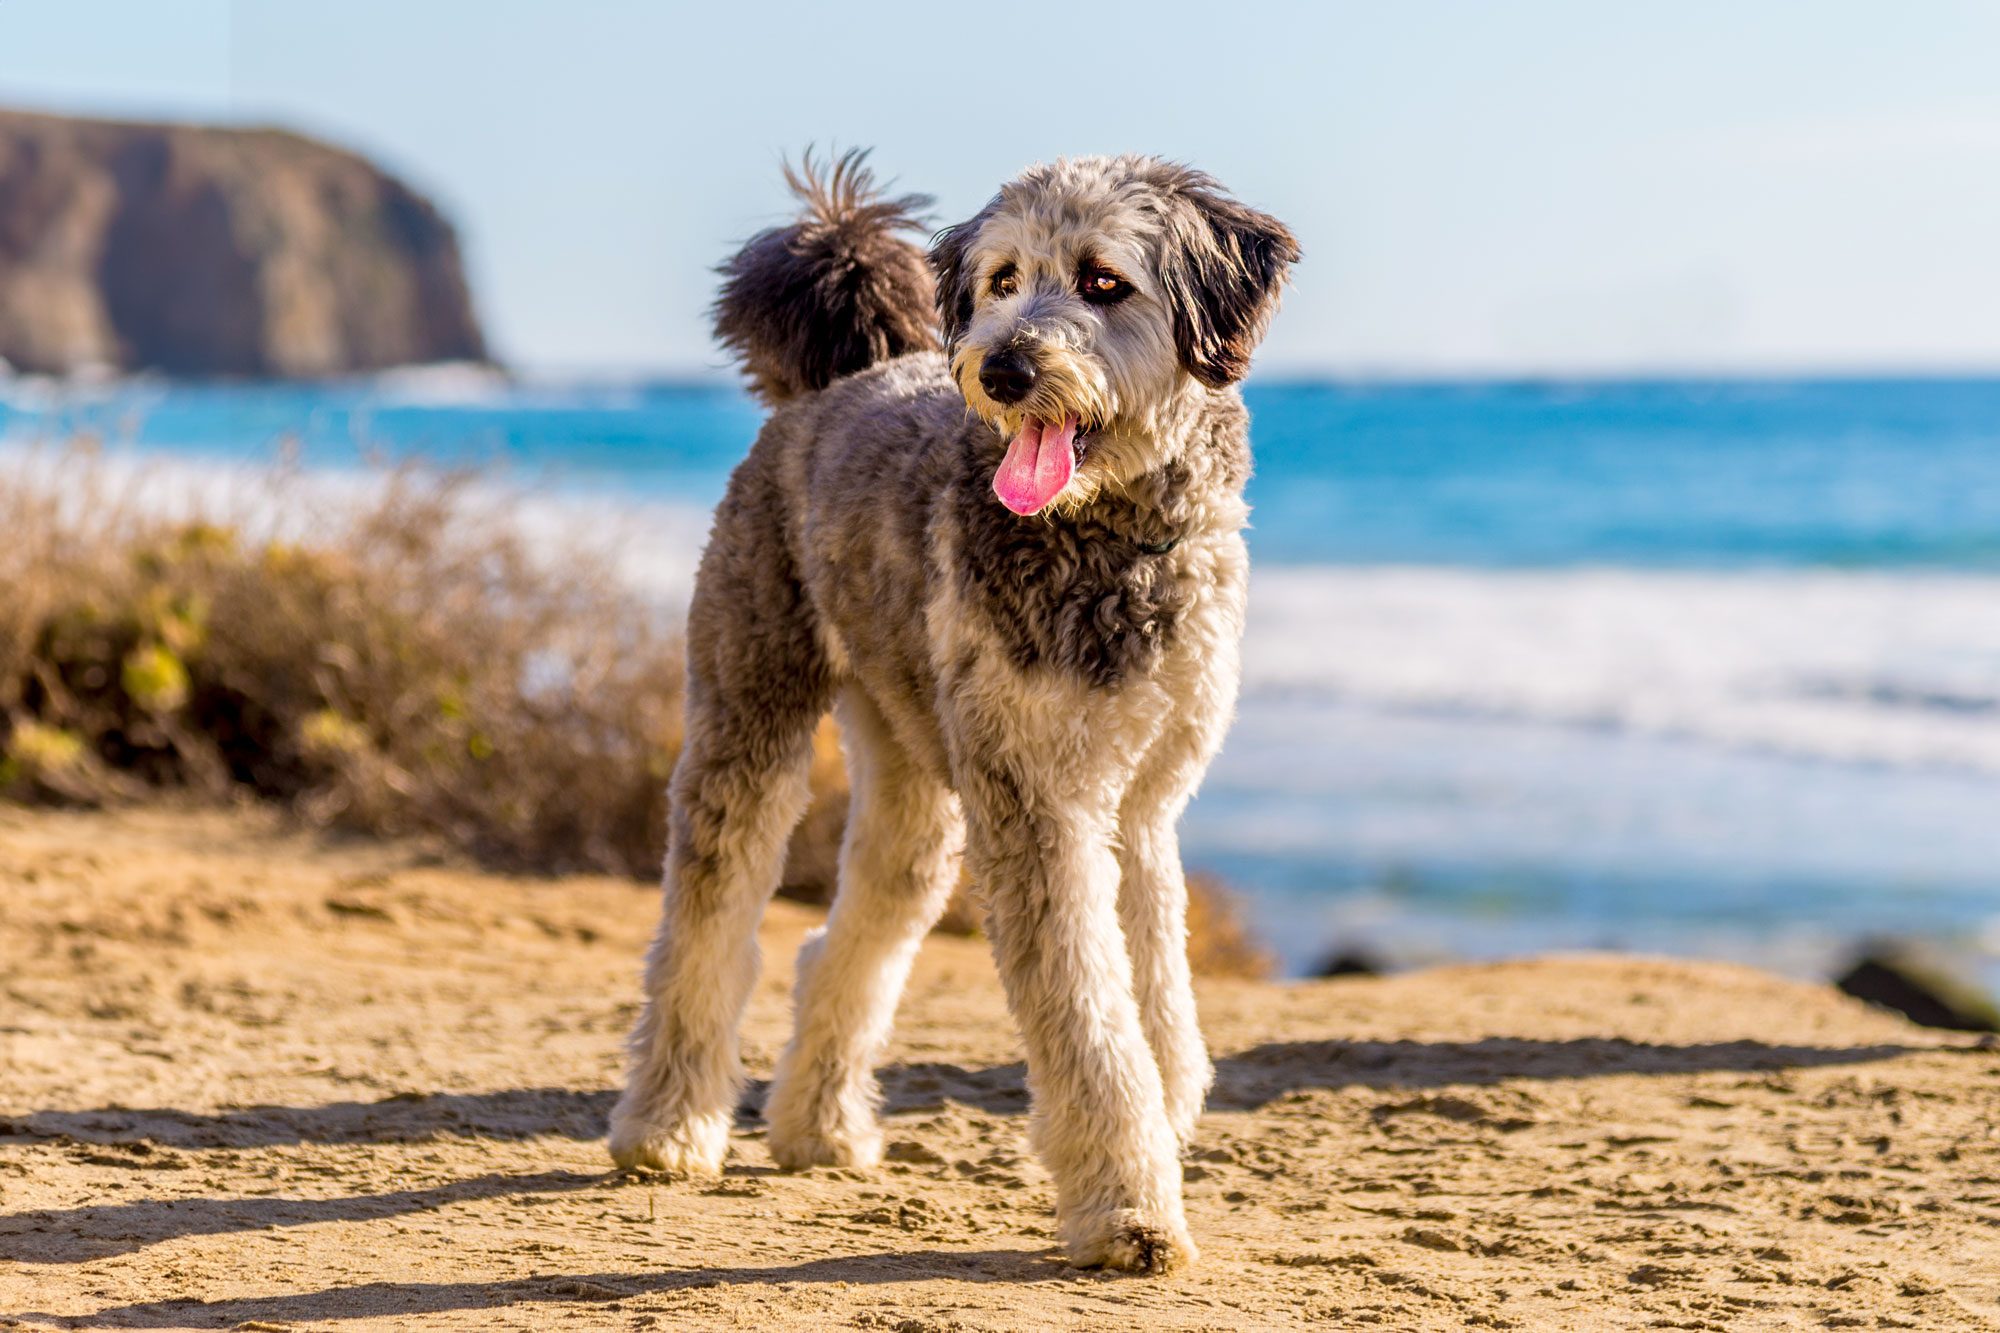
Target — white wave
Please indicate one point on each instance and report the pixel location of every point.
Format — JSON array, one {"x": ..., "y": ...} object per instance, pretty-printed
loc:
[
  {"x": 1877, "y": 668},
  {"x": 38, "y": 395},
  {"x": 469, "y": 384},
  {"x": 1874, "y": 667},
  {"x": 652, "y": 544},
  {"x": 441, "y": 384}
]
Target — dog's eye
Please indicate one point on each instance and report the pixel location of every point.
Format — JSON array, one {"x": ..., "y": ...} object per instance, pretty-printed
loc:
[
  {"x": 1004, "y": 281},
  {"x": 1103, "y": 287}
]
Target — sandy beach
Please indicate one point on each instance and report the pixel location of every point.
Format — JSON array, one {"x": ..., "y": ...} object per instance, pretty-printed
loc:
[{"x": 255, "y": 1079}]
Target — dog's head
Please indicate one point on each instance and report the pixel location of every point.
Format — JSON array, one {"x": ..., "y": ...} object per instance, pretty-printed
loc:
[{"x": 1086, "y": 303}]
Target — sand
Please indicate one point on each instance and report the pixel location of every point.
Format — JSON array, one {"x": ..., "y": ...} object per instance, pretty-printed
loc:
[{"x": 253, "y": 1079}]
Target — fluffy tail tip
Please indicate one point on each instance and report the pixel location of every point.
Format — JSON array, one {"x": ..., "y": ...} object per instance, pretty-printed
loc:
[{"x": 836, "y": 291}]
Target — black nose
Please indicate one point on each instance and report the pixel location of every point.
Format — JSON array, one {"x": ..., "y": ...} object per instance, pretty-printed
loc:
[{"x": 1007, "y": 376}]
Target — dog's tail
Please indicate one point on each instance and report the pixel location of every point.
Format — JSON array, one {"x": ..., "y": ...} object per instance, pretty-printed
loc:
[{"x": 832, "y": 293}]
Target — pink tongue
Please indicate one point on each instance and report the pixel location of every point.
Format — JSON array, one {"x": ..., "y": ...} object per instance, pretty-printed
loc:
[{"x": 1039, "y": 463}]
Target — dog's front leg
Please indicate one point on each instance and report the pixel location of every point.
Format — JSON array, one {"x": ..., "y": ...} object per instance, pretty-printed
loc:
[
  {"x": 1152, "y": 904},
  {"x": 1152, "y": 907},
  {"x": 1100, "y": 1124}
]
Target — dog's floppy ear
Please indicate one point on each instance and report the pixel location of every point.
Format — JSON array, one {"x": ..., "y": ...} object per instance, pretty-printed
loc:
[
  {"x": 1223, "y": 267},
  {"x": 951, "y": 255}
]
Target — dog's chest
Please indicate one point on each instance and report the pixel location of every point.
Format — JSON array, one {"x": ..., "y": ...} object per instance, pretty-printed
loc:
[{"x": 1101, "y": 601}]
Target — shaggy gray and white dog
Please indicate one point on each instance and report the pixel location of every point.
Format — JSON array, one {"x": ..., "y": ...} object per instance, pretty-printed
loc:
[{"x": 1015, "y": 568}]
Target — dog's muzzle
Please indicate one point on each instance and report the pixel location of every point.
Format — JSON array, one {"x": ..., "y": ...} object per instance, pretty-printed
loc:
[{"x": 1008, "y": 376}]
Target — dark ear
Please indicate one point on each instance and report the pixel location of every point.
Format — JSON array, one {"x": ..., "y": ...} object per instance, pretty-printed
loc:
[
  {"x": 1223, "y": 267},
  {"x": 951, "y": 255}
]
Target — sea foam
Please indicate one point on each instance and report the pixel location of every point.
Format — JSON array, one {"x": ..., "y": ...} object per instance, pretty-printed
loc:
[{"x": 1872, "y": 667}]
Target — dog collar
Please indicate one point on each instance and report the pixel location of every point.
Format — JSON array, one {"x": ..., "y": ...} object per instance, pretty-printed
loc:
[{"x": 1160, "y": 548}]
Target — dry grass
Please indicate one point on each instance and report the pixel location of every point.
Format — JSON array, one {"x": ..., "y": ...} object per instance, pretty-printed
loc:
[
  {"x": 1220, "y": 941},
  {"x": 404, "y": 661}
]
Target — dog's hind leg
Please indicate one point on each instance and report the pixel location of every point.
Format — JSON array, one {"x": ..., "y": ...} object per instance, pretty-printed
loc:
[
  {"x": 897, "y": 870},
  {"x": 757, "y": 684}
]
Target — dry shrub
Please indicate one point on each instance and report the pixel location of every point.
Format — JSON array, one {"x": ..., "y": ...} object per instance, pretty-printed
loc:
[
  {"x": 399, "y": 660},
  {"x": 1220, "y": 941}
]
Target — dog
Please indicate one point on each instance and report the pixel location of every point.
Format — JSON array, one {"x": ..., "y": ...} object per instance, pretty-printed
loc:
[{"x": 994, "y": 521}]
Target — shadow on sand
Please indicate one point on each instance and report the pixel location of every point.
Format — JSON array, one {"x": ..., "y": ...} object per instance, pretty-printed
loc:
[
  {"x": 379, "y": 1300},
  {"x": 1244, "y": 1080},
  {"x": 81, "y": 1235},
  {"x": 1249, "y": 1079}
]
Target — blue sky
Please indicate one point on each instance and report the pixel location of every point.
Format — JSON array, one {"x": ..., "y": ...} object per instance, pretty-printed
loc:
[{"x": 1534, "y": 186}]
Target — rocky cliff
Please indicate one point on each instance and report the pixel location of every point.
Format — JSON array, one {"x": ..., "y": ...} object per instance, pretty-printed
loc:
[{"x": 201, "y": 251}]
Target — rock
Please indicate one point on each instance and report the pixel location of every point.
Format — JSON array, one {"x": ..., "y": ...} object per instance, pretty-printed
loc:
[
  {"x": 1349, "y": 963},
  {"x": 1920, "y": 986},
  {"x": 199, "y": 251}
]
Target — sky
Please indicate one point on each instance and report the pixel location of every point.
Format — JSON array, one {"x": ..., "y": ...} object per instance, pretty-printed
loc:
[{"x": 1535, "y": 187}]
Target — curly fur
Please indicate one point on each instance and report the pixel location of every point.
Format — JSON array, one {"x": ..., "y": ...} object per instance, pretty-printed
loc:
[
  {"x": 1043, "y": 692},
  {"x": 837, "y": 290}
]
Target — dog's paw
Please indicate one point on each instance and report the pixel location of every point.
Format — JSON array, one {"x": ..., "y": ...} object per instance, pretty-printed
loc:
[
  {"x": 1128, "y": 1241},
  {"x": 821, "y": 1122},
  {"x": 690, "y": 1146},
  {"x": 797, "y": 1148}
]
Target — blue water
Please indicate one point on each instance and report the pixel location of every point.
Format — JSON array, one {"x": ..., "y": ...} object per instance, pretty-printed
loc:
[
  {"x": 1654, "y": 474},
  {"x": 1709, "y": 668},
  {"x": 1847, "y": 473}
]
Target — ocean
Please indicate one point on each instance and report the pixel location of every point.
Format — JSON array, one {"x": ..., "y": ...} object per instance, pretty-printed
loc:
[{"x": 1704, "y": 668}]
